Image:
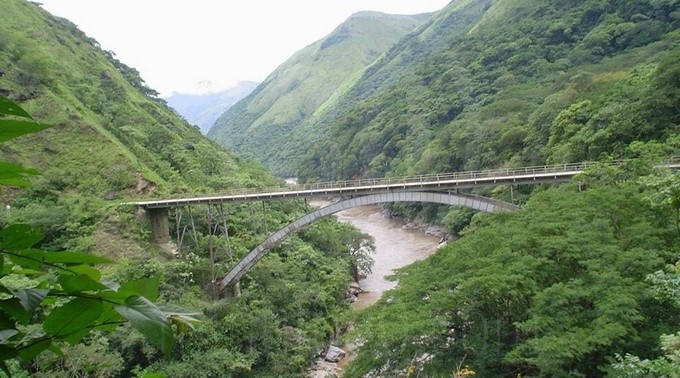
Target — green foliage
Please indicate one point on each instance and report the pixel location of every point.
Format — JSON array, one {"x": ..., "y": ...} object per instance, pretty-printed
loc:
[
  {"x": 555, "y": 289},
  {"x": 665, "y": 194},
  {"x": 65, "y": 296},
  {"x": 457, "y": 219},
  {"x": 289, "y": 308},
  {"x": 666, "y": 287},
  {"x": 351, "y": 244},
  {"x": 629, "y": 366},
  {"x": 260, "y": 127},
  {"x": 91, "y": 357}
]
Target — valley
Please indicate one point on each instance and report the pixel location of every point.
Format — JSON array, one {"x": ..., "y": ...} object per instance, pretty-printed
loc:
[
  {"x": 396, "y": 245},
  {"x": 579, "y": 279}
]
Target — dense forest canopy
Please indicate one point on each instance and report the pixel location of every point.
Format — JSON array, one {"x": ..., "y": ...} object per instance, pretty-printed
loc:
[
  {"x": 529, "y": 82},
  {"x": 112, "y": 140},
  {"x": 583, "y": 280}
]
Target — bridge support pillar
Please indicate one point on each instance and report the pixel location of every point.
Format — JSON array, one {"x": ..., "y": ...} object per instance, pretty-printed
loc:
[
  {"x": 160, "y": 229},
  {"x": 236, "y": 290}
]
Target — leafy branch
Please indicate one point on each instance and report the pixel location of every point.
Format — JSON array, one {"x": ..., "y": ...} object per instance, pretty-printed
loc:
[{"x": 69, "y": 279}]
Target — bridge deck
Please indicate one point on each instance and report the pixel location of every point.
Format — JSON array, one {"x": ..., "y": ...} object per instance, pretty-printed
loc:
[{"x": 432, "y": 182}]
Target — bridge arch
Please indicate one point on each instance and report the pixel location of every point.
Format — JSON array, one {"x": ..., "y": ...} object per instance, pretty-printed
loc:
[{"x": 465, "y": 200}]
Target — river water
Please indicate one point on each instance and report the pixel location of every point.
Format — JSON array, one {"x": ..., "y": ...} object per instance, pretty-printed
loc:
[{"x": 396, "y": 246}]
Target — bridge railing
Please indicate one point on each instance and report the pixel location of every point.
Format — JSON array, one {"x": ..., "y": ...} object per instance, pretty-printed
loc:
[
  {"x": 449, "y": 176},
  {"x": 466, "y": 175},
  {"x": 441, "y": 177}
]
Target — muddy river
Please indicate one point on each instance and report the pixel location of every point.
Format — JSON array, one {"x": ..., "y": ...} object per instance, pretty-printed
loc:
[{"x": 395, "y": 247}]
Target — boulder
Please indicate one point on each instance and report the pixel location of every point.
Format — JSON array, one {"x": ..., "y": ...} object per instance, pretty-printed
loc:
[{"x": 334, "y": 354}]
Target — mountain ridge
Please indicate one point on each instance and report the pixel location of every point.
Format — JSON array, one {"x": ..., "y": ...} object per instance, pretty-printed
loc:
[
  {"x": 283, "y": 99},
  {"x": 493, "y": 65}
]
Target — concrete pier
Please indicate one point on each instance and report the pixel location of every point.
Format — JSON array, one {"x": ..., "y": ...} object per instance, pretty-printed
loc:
[{"x": 160, "y": 230}]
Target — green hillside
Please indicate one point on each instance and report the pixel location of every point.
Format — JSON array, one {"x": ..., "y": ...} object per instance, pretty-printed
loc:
[
  {"x": 523, "y": 82},
  {"x": 259, "y": 127},
  {"x": 100, "y": 110},
  {"x": 583, "y": 280},
  {"x": 112, "y": 141}
]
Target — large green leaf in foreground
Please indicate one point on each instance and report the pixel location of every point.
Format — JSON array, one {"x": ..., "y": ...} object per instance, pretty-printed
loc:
[{"x": 149, "y": 320}]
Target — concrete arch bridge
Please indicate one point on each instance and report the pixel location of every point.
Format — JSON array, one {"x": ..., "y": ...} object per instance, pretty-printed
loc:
[{"x": 434, "y": 188}]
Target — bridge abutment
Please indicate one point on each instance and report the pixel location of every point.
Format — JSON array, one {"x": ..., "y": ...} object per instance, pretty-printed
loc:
[{"x": 160, "y": 229}]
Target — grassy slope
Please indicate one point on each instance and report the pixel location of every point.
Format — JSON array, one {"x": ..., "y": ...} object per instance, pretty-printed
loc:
[
  {"x": 63, "y": 78},
  {"x": 260, "y": 126},
  {"x": 107, "y": 139}
]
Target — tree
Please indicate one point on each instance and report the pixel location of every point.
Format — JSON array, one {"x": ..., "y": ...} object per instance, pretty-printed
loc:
[
  {"x": 665, "y": 193},
  {"x": 360, "y": 247},
  {"x": 666, "y": 288},
  {"x": 556, "y": 289},
  {"x": 52, "y": 298}
]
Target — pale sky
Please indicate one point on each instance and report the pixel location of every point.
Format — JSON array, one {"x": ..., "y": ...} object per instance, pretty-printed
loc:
[{"x": 201, "y": 46}]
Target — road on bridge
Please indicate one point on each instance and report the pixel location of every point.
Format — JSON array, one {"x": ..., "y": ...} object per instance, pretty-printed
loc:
[{"x": 432, "y": 182}]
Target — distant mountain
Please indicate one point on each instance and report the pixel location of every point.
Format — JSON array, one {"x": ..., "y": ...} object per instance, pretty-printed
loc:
[
  {"x": 260, "y": 125},
  {"x": 204, "y": 109}
]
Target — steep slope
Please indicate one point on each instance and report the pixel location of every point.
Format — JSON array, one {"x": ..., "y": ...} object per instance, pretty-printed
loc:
[
  {"x": 515, "y": 84},
  {"x": 259, "y": 126},
  {"x": 105, "y": 128},
  {"x": 112, "y": 141},
  {"x": 203, "y": 110}
]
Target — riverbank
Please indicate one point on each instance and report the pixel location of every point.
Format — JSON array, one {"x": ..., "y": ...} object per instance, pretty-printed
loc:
[{"x": 398, "y": 244}]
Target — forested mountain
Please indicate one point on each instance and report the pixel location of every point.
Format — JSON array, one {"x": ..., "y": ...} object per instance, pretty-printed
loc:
[
  {"x": 519, "y": 82},
  {"x": 111, "y": 141},
  {"x": 583, "y": 280},
  {"x": 260, "y": 126},
  {"x": 203, "y": 110}
]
